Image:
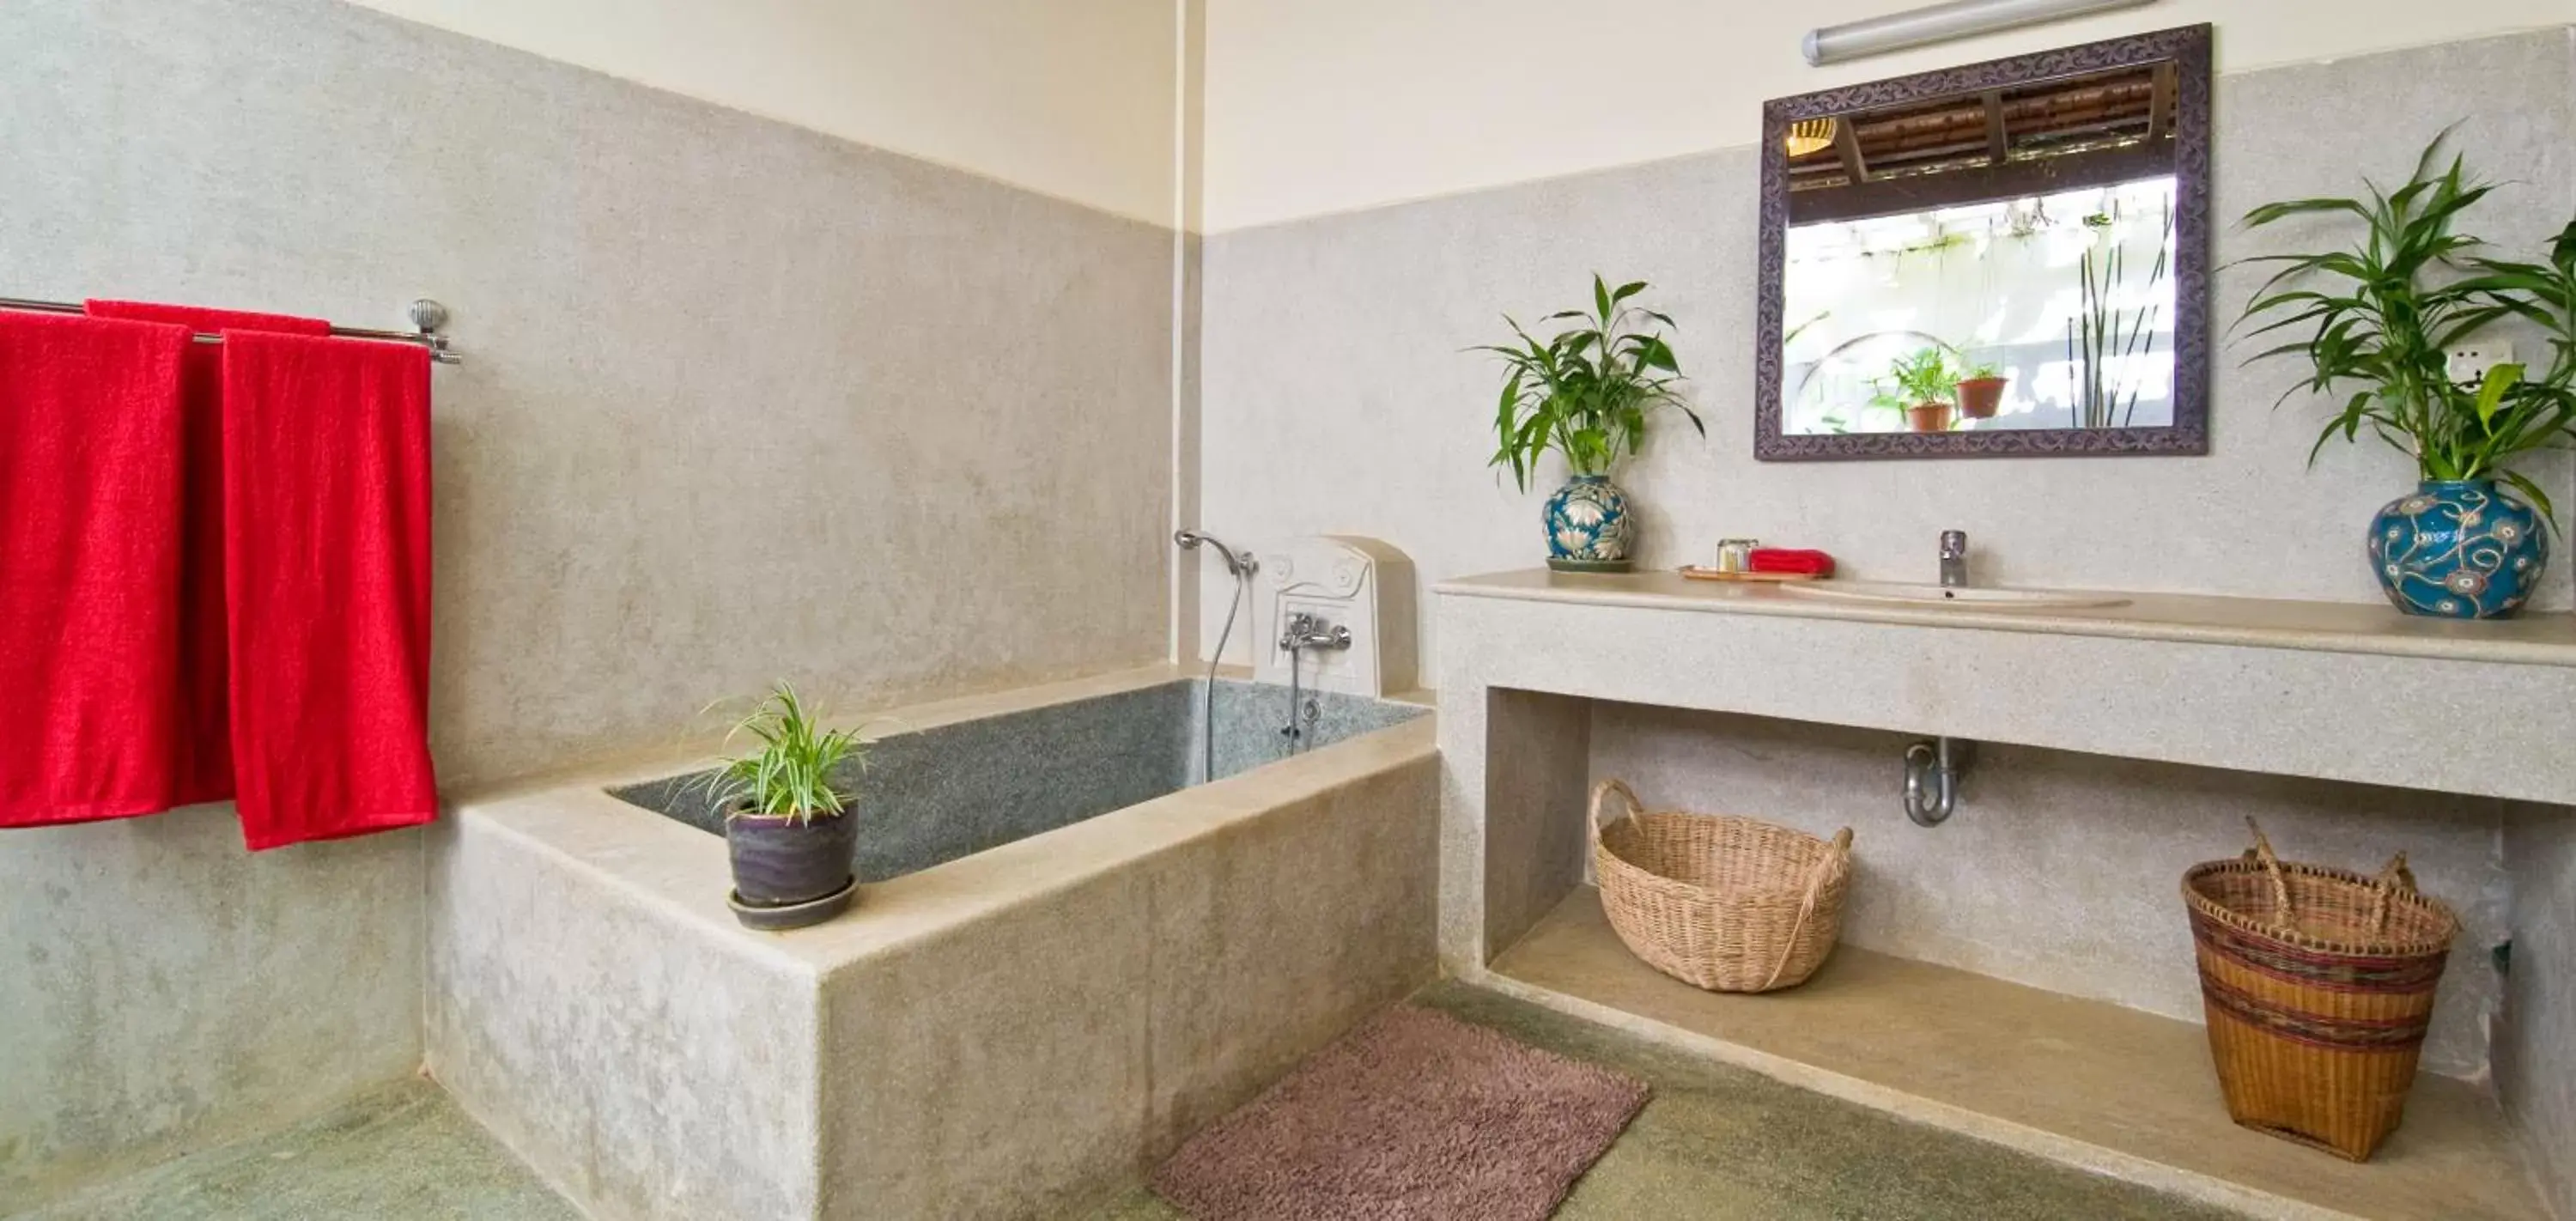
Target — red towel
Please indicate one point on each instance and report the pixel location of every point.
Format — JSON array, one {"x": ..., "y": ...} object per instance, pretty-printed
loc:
[
  {"x": 205, "y": 751},
  {"x": 1785, "y": 559},
  {"x": 326, "y": 565},
  {"x": 90, "y": 453}
]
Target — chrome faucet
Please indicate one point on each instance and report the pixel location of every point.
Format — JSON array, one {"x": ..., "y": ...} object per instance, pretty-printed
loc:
[
  {"x": 1305, "y": 631},
  {"x": 1954, "y": 559},
  {"x": 1309, "y": 632}
]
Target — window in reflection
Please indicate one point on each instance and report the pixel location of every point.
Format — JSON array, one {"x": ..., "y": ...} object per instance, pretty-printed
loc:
[{"x": 2066, "y": 298}]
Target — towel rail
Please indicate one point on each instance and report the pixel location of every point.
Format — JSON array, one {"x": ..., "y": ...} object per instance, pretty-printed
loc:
[{"x": 427, "y": 315}]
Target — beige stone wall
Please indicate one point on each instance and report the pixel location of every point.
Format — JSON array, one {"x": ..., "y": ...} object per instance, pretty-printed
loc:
[
  {"x": 1331, "y": 106},
  {"x": 1073, "y": 100}
]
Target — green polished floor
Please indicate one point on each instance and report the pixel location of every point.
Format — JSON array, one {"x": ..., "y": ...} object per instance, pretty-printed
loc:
[
  {"x": 1718, "y": 1143},
  {"x": 395, "y": 1155}
]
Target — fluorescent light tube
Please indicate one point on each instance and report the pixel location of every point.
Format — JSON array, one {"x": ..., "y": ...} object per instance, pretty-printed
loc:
[{"x": 1943, "y": 22}]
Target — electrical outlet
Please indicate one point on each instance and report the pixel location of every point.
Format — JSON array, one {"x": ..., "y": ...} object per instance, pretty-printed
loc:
[{"x": 2469, "y": 362}]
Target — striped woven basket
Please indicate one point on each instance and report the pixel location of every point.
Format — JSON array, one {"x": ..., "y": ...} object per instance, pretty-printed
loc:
[
  {"x": 2318, "y": 984},
  {"x": 1725, "y": 904}
]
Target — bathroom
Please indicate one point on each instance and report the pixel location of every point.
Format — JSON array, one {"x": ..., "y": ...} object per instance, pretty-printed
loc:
[{"x": 885, "y": 347}]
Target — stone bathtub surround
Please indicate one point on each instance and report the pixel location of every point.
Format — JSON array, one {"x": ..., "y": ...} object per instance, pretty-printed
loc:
[
  {"x": 2062, "y": 869},
  {"x": 1076, "y": 1002}
]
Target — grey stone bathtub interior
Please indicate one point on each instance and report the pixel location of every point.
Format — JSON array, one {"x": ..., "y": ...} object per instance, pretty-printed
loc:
[{"x": 954, "y": 790}]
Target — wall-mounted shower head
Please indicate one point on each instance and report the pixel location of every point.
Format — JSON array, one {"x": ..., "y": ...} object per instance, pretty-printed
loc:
[
  {"x": 1235, "y": 562},
  {"x": 1242, "y": 566}
]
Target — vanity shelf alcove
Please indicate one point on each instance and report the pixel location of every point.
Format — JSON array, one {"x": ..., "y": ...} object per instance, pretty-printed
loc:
[{"x": 1534, "y": 667}]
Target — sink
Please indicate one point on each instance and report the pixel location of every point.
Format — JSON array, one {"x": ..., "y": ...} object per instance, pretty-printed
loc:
[{"x": 1900, "y": 593}]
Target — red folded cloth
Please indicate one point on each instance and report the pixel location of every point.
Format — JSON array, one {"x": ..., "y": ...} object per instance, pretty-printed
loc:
[
  {"x": 326, "y": 566},
  {"x": 1784, "y": 559},
  {"x": 205, "y": 758},
  {"x": 90, "y": 455},
  {"x": 205, "y": 321}
]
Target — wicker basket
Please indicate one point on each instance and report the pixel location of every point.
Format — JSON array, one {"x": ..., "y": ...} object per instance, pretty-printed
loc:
[
  {"x": 1726, "y": 904},
  {"x": 2318, "y": 984}
]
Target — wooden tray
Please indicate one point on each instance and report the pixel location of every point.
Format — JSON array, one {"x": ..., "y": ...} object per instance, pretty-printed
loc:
[{"x": 1695, "y": 573}]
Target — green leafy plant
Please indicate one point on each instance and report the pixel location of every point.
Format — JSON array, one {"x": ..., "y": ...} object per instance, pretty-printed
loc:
[
  {"x": 1926, "y": 376},
  {"x": 2387, "y": 312},
  {"x": 1586, "y": 392},
  {"x": 791, "y": 775},
  {"x": 1982, "y": 370}
]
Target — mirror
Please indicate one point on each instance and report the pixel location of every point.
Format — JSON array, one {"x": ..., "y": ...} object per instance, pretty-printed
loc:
[{"x": 2006, "y": 258}]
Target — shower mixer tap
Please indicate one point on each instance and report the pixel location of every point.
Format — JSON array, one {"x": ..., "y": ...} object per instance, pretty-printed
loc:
[{"x": 1308, "y": 632}]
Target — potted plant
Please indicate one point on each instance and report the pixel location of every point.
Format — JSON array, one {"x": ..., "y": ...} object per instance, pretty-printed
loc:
[
  {"x": 1921, "y": 386},
  {"x": 1981, "y": 392},
  {"x": 1586, "y": 394},
  {"x": 788, "y": 825},
  {"x": 2385, "y": 315}
]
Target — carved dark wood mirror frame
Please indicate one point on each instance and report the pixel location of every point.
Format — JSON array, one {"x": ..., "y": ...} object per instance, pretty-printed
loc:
[{"x": 2188, "y": 49}]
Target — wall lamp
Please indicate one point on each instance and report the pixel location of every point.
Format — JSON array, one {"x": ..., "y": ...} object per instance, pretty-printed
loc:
[{"x": 1943, "y": 22}]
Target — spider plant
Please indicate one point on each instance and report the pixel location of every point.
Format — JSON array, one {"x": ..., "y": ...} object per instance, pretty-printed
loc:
[
  {"x": 1586, "y": 392},
  {"x": 790, "y": 776},
  {"x": 2386, "y": 313}
]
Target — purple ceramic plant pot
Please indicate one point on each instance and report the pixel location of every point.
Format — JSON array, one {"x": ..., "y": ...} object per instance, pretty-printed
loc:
[{"x": 781, "y": 862}]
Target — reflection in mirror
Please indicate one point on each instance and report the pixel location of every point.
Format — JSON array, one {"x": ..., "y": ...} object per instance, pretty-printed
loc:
[{"x": 1997, "y": 259}]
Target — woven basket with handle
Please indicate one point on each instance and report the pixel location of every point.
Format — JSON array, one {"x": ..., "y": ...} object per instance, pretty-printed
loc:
[
  {"x": 2318, "y": 984},
  {"x": 1726, "y": 904}
]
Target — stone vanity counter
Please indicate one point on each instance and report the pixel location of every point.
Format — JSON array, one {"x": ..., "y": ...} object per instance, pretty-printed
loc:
[
  {"x": 2060, "y": 875},
  {"x": 2328, "y": 691},
  {"x": 2333, "y": 627}
]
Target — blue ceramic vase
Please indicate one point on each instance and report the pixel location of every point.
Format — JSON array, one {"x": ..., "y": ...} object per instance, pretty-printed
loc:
[
  {"x": 1588, "y": 528},
  {"x": 2459, "y": 549}
]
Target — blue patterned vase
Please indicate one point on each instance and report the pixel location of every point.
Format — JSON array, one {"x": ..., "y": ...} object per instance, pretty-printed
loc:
[
  {"x": 1588, "y": 527},
  {"x": 2459, "y": 549}
]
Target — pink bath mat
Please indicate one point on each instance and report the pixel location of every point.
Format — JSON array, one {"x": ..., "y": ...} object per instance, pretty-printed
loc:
[{"x": 1415, "y": 1115}]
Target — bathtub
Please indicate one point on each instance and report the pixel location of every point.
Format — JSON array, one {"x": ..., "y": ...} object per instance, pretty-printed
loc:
[
  {"x": 955, "y": 789},
  {"x": 1071, "y": 952}
]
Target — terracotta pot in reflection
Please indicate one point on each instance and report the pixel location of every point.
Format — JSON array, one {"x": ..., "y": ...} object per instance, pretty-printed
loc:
[{"x": 1980, "y": 397}]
